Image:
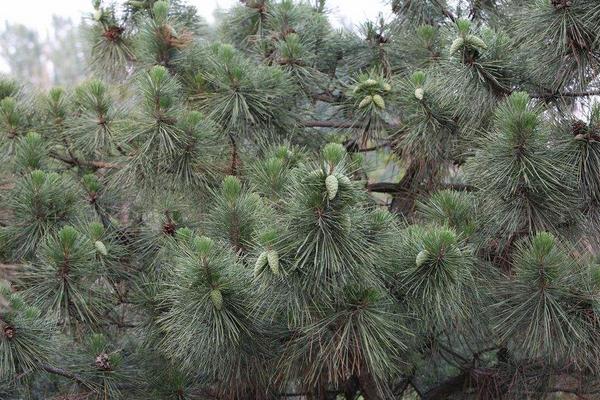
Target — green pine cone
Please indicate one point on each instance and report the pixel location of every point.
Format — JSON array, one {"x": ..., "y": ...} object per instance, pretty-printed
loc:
[
  {"x": 217, "y": 298},
  {"x": 474, "y": 41},
  {"x": 343, "y": 179},
  {"x": 379, "y": 102},
  {"x": 457, "y": 45},
  {"x": 370, "y": 82},
  {"x": 419, "y": 93},
  {"x": 421, "y": 257},
  {"x": 331, "y": 184},
  {"x": 273, "y": 261},
  {"x": 98, "y": 15},
  {"x": 261, "y": 261},
  {"x": 365, "y": 102},
  {"x": 101, "y": 248}
]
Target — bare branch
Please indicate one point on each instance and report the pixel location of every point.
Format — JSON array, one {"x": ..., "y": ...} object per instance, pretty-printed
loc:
[
  {"x": 63, "y": 373},
  {"x": 446, "y": 12},
  {"x": 329, "y": 124},
  {"x": 585, "y": 93},
  {"x": 78, "y": 163}
]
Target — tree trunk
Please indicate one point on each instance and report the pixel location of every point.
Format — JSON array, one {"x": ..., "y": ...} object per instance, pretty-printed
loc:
[
  {"x": 446, "y": 388},
  {"x": 350, "y": 388},
  {"x": 403, "y": 200},
  {"x": 368, "y": 387}
]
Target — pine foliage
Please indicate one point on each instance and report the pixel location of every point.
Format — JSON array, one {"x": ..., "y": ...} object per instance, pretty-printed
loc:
[{"x": 275, "y": 208}]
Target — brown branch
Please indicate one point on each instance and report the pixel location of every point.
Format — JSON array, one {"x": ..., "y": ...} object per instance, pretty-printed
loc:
[
  {"x": 373, "y": 148},
  {"x": 384, "y": 187},
  {"x": 328, "y": 124},
  {"x": 75, "y": 162},
  {"x": 390, "y": 187},
  {"x": 444, "y": 389},
  {"x": 453, "y": 353},
  {"x": 339, "y": 124},
  {"x": 585, "y": 93},
  {"x": 496, "y": 87},
  {"x": 63, "y": 373},
  {"x": 326, "y": 97},
  {"x": 352, "y": 146},
  {"x": 590, "y": 137},
  {"x": 460, "y": 187},
  {"x": 445, "y": 11},
  {"x": 7, "y": 269}
]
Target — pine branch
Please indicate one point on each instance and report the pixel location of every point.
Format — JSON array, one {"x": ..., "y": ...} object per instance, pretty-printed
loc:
[
  {"x": 384, "y": 187},
  {"x": 444, "y": 389},
  {"x": 353, "y": 146},
  {"x": 339, "y": 124},
  {"x": 328, "y": 124},
  {"x": 75, "y": 162},
  {"x": 585, "y": 93},
  {"x": 373, "y": 148},
  {"x": 390, "y": 187},
  {"x": 460, "y": 187},
  {"x": 327, "y": 97},
  {"x": 453, "y": 353},
  {"x": 63, "y": 373},
  {"x": 445, "y": 11},
  {"x": 7, "y": 270}
]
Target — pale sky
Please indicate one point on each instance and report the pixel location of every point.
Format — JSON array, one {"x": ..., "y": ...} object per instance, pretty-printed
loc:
[{"x": 37, "y": 13}]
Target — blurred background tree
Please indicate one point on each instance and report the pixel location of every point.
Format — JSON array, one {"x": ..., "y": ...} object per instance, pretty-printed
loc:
[{"x": 60, "y": 58}]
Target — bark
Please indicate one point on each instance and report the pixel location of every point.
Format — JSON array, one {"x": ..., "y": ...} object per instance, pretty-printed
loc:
[
  {"x": 77, "y": 162},
  {"x": 446, "y": 388},
  {"x": 64, "y": 373},
  {"x": 403, "y": 199},
  {"x": 368, "y": 387}
]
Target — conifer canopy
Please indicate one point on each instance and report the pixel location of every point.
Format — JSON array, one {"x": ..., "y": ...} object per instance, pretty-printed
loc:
[{"x": 269, "y": 207}]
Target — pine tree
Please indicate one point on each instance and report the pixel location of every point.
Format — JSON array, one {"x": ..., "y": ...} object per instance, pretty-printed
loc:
[{"x": 272, "y": 208}]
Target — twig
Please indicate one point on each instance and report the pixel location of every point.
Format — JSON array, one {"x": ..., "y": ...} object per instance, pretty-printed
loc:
[
  {"x": 383, "y": 187},
  {"x": 373, "y": 148},
  {"x": 326, "y": 97},
  {"x": 446, "y": 12},
  {"x": 328, "y": 124},
  {"x": 63, "y": 373},
  {"x": 77, "y": 162},
  {"x": 585, "y": 93}
]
